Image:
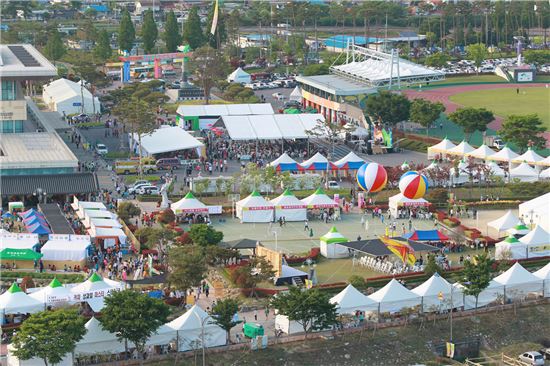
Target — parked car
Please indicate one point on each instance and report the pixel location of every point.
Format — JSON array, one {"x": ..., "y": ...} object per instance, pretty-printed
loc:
[
  {"x": 136, "y": 188},
  {"x": 545, "y": 352},
  {"x": 168, "y": 163},
  {"x": 140, "y": 182},
  {"x": 532, "y": 358},
  {"x": 82, "y": 117},
  {"x": 101, "y": 149},
  {"x": 278, "y": 96},
  {"x": 332, "y": 184},
  {"x": 148, "y": 189}
]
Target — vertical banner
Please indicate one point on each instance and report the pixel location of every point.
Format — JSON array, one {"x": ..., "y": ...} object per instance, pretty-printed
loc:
[
  {"x": 215, "y": 19},
  {"x": 337, "y": 198},
  {"x": 126, "y": 72},
  {"x": 450, "y": 350},
  {"x": 361, "y": 199},
  {"x": 158, "y": 72}
]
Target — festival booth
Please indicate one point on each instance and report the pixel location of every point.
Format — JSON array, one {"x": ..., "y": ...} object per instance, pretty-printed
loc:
[
  {"x": 519, "y": 283},
  {"x": 350, "y": 300},
  {"x": 93, "y": 290},
  {"x": 330, "y": 247},
  {"x": 394, "y": 297},
  {"x": 254, "y": 208},
  {"x": 98, "y": 341},
  {"x": 18, "y": 248},
  {"x": 505, "y": 155},
  {"x": 496, "y": 170},
  {"x": 15, "y": 301},
  {"x": 106, "y": 237},
  {"x": 189, "y": 204},
  {"x": 80, "y": 206},
  {"x": 508, "y": 221},
  {"x": 53, "y": 295},
  {"x": 426, "y": 235},
  {"x": 459, "y": 174},
  {"x": 545, "y": 161},
  {"x": 40, "y": 228},
  {"x": 105, "y": 223},
  {"x": 289, "y": 207},
  {"x": 19, "y": 258},
  {"x": 545, "y": 174},
  {"x": 239, "y": 76},
  {"x": 319, "y": 200},
  {"x": 524, "y": 172},
  {"x": 483, "y": 152},
  {"x": 288, "y": 276},
  {"x": 519, "y": 230},
  {"x": 537, "y": 241},
  {"x": 350, "y": 162},
  {"x": 510, "y": 248},
  {"x": 16, "y": 206},
  {"x": 69, "y": 250},
  {"x": 88, "y": 215},
  {"x": 535, "y": 211},
  {"x": 398, "y": 201},
  {"x": 285, "y": 163},
  {"x": 530, "y": 157},
  {"x": 437, "y": 294},
  {"x": 441, "y": 148},
  {"x": 30, "y": 212},
  {"x": 296, "y": 94},
  {"x": 318, "y": 162},
  {"x": 286, "y": 325},
  {"x": 544, "y": 275},
  {"x": 461, "y": 149},
  {"x": 187, "y": 330}
]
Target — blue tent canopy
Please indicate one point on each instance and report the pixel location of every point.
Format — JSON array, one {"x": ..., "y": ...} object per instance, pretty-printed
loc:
[
  {"x": 7, "y": 215},
  {"x": 38, "y": 228},
  {"x": 426, "y": 235},
  {"x": 28, "y": 213}
]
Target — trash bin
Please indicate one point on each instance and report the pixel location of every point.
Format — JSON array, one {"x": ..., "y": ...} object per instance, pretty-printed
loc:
[{"x": 252, "y": 330}]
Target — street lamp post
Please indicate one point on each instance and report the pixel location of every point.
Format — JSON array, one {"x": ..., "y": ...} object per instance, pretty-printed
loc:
[{"x": 202, "y": 322}]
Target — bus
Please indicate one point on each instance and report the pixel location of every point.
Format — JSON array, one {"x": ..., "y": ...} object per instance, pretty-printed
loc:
[{"x": 142, "y": 72}]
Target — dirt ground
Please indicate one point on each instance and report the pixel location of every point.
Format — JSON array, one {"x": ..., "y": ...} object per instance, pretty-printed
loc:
[{"x": 502, "y": 331}]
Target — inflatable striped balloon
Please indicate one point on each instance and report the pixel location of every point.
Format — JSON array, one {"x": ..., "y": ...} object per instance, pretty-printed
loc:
[
  {"x": 413, "y": 185},
  {"x": 372, "y": 177}
]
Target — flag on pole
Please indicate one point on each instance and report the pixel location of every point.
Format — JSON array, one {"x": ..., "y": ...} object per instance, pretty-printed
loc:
[{"x": 214, "y": 19}]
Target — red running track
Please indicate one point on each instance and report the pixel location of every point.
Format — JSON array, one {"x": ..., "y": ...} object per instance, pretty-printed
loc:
[{"x": 443, "y": 94}]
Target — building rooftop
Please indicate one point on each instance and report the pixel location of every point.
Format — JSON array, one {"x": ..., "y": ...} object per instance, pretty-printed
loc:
[
  {"x": 35, "y": 150},
  {"x": 23, "y": 61},
  {"x": 336, "y": 85}
]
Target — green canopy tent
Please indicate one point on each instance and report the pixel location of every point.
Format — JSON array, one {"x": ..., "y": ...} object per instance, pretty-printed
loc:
[
  {"x": 9, "y": 254},
  {"x": 329, "y": 244}
]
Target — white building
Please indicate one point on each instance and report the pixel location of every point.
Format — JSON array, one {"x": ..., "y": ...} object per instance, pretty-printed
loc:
[{"x": 68, "y": 97}]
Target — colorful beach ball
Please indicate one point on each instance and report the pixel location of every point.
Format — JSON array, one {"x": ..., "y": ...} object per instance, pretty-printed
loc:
[
  {"x": 372, "y": 177},
  {"x": 413, "y": 185}
]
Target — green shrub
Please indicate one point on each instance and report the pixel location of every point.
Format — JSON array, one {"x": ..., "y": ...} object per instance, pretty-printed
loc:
[
  {"x": 131, "y": 179},
  {"x": 90, "y": 124},
  {"x": 112, "y": 155},
  {"x": 357, "y": 282}
]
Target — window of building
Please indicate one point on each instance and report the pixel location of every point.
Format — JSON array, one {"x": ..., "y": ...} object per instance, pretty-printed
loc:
[
  {"x": 11, "y": 126},
  {"x": 8, "y": 90}
]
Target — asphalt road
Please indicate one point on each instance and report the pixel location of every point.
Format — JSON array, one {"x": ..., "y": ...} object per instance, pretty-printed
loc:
[{"x": 268, "y": 95}]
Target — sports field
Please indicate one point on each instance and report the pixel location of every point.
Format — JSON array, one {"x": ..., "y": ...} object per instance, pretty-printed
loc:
[{"x": 506, "y": 101}]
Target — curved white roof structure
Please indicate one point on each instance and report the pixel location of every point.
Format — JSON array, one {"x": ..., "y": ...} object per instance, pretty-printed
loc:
[
  {"x": 296, "y": 94},
  {"x": 524, "y": 172},
  {"x": 254, "y": 208},
  {"x": 546, "y": 161},
  {"x": 15, "y": 301},
  {"x": 224, "y": 109},
  {"x": 481, "y": 152},
  {"x": 66, "y": 96},
  {"x": 432, "y": 288},
  {"x": 461, "y": 149},
  {"x": 537, "y": 236},
  {"x": 506, "y": 154},
  {"x": 441, "y": 147},
  {"x": 53, "y": 294},
  {"x": 530, "y": 157},
  {"x": 495, "y": 169},
  {"x": 319, "y": 200},
  {"x": 167, "y": 139},
  {"x": 239, "y": 76},
  {"x": 349, "y": 300},
  {"x": 545, "y": 174},
  {"x": 189, "y": 204},
  {"x": 97, "y": 341},
  {"x": 508, "y": 221},
  {"x": 394, "y": 296},
  {"x": 516, "y": 275},
  {"x": 289, "y": 207}
]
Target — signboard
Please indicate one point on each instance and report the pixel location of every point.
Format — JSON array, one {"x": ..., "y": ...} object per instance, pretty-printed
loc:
[
  {"x": 273, "y": 257},
  {"x": 159, "y": 56},
  {"x": 77, "y": 104},
  {"x": 215, "y": 210},
  {"x": 11, "y": 110},
  {"x": 524, "y": 76}
]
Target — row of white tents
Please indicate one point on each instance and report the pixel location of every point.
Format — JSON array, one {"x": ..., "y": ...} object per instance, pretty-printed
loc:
[
  {"x": 100, "y": 222},
  {"x": 256, "y": 208},
  {"x": 464, "y": 149},
  {"x": 187, "y": 331},
  {"x": 437, "y": 294}
]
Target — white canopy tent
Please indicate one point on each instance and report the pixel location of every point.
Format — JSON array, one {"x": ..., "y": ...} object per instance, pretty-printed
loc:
[
  {"x": 495, "y": 169},
  {"x": 397, "y": 201},
  {"x": 487, "y": 296},
  {"x": 350, "y": 300},
  {"x": 53, "y": 294},
  {"x": 254, "y": 208},
  {"x": 535, "y": 211},
  {"x": 239, "y": 76},
  {"x": 296, "y": 94},
  {"x": 87, "y": 205},
  {"x": 285, "y": 163},
  {"x": 394, "y": 297},
  {"x": 544, "y": 275},
  {"x": 108, "y": 233},
  {"x": 545, "y": 161},
  {"x": 519, "y": 230},
  {"x": 93, "y": 290},
  {"x": 524, "y": 172},
  {"x": 289, "y": 207},
  {"x": 434, "y": 287},
  {"x": 461, "y": 149},
  {"x": 15, "y": 301},
  {"x": 530, "y": 156},
  {"x": 165, "y": 139},
  {"x": 510, "y": 248},
  {"x": 18, "y": 240},
  {"x": 519, "y": 282},
  {"x": 538, "y": 242},
  {"x": 508, "y": 221},
  {"x": 67, "y": 97},
  {"x": 441, "y": 147},
  {"x": 506, "y": 154},
  {"x": 482, "y": 152},
  {"x": 98, "y": 341},
  {"x": 98, "y": 222},
  {"x": 350, "y": 161},
  {"x": 189, "y": 204},
  {"x": 330, "y": 247},
  {"x": 188, "y": 330},
  {"x": 66, "y": 250},
  {"x": 545, "y": 174},
  {"x": 319, "y": 200}
]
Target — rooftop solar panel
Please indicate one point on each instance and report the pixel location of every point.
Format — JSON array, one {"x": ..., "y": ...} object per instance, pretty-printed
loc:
[{"x": 24, "y": 56}]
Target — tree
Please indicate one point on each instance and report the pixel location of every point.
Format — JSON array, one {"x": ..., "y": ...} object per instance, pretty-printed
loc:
[
  {"x": 127, "y": 210},
  {"x": 425, "y": 112},
  {"x": 316, "y": 69},
  {"x": 220, "y": 35},
  {"x": 204, "y": 235},
  {"x": 187, "y": 266},
  {"x": 476, "y": 275},
  {"x": 126, "y": 32},
  {"x": 54, "y": 49},
  {"x": 389, "y": 108},
  {"x": 524, "y": 131},
  {"x": 102, "y": 49},
  {"x": 477, "y": 53},
  {"x": 209, "y": 68},
  {"x": 133, "y": 317},
  {"x": 257, "y": 271},
  {"x": 472, "y": 119},
  {"x": 309, "y": 308},
  {"x": 223, "y": 314},
  {"x": 192, "y": 31},
  {"x": 149, "y": 32},
  {"x": 49, "y": 335},
  {"x": 438, "y": 59},
  {"x": 172, "y": 37},
  {"x": 166, "y": 216},
  {"x": 328, "y": 130},
  {"x": 431, "y": 266}
]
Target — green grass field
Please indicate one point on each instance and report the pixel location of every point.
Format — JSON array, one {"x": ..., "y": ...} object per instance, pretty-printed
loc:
[{"x": 504, "y": 102}]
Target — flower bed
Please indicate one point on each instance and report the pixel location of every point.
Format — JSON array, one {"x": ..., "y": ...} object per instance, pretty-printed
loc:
[{"x": 313, "y": 254}]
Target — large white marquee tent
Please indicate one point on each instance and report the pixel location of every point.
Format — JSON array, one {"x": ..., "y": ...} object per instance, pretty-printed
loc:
[
  {"x": 394, "y": 297},
  {"x": 165, "y": 139},
  {"x": 350, "y": 300},
  {"x": 254, "y": 208},
  {"x": 67, "y": 97}
]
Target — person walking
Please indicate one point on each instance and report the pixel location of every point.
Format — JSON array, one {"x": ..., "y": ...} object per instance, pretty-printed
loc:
[{"x": 306, "y": 225}]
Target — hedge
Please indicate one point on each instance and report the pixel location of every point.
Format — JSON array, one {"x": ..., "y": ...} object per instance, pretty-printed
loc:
[{"x": 63, "y": 277}]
